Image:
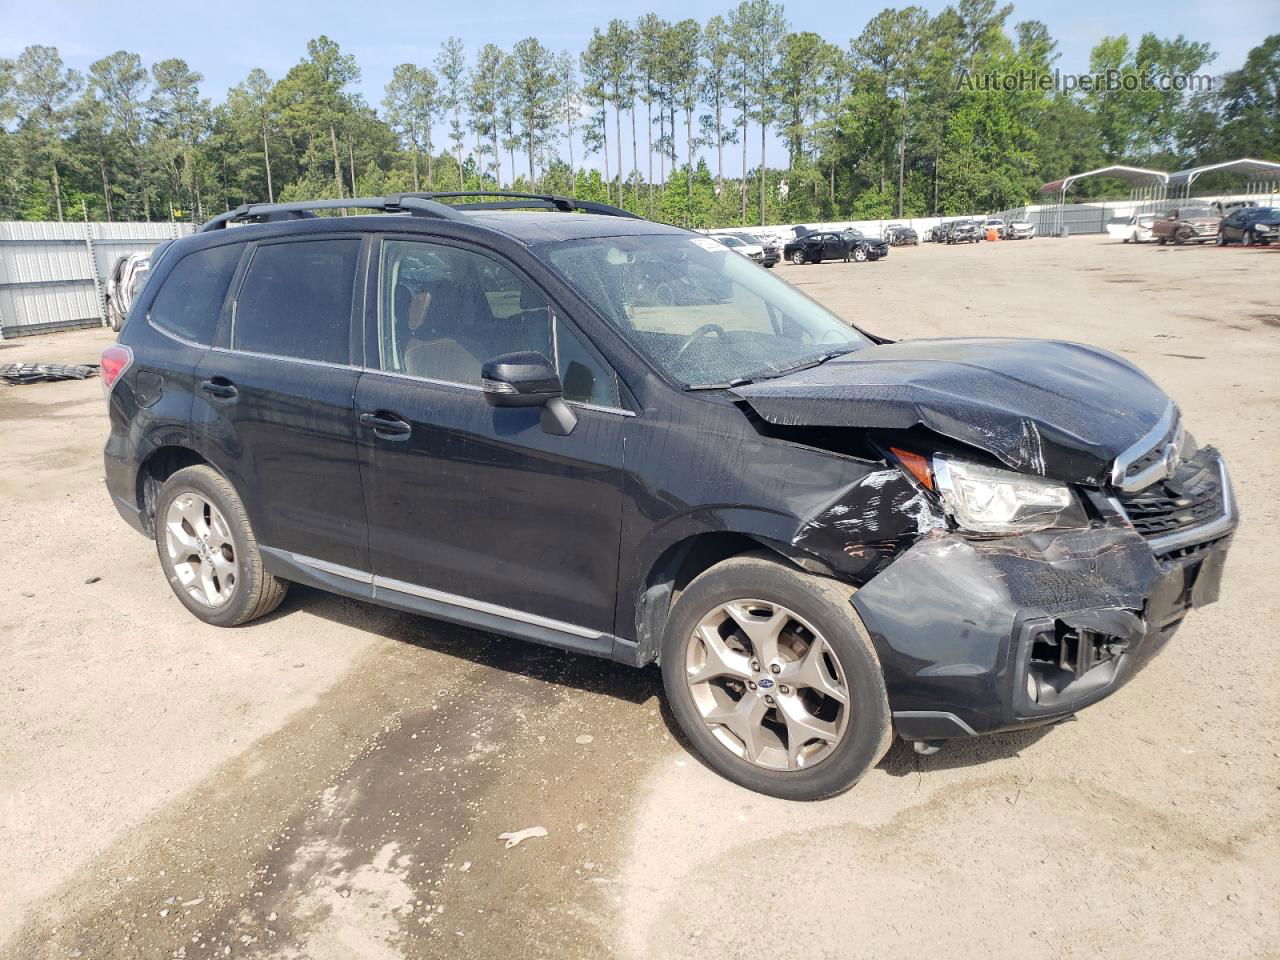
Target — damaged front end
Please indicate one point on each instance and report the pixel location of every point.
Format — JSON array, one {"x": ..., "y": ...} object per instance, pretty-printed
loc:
[{"x": 990, "y": 621}]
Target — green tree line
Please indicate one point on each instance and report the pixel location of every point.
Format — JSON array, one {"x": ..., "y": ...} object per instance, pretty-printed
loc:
[{"x": 675, "y": 119}]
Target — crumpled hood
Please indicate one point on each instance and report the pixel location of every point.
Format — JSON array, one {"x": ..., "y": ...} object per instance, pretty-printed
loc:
[{"x": 1057, "y": 409}]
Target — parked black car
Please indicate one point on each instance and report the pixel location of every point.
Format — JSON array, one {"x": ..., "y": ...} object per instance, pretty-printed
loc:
[
  {"x": 963, "y": 231},
  {"x": 900, "y": 235},
  {"x": 864, "y": 247},
  {"x": 1250, "y": 225},
  {"x": 818, "y": 246},
  {"x": 484, "y": 416}
]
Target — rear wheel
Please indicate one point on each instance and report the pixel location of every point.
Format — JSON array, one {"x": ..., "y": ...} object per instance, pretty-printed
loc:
[
  {"x": 798, "y": 258},
  {"x": 774, "y": 681},
  {"x": 208, "y": 551}
]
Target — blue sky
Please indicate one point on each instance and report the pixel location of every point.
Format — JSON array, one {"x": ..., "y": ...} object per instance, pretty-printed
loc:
[{"x": 225, "y": 39}]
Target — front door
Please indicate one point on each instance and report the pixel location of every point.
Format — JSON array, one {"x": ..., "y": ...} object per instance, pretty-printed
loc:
[{"x": 469, "y": 503}]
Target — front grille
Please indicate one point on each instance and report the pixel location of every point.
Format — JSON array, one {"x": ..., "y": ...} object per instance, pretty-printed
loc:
[
  {"x": 1130, "y": 469},
  {"x": 1194, "y": 495}
]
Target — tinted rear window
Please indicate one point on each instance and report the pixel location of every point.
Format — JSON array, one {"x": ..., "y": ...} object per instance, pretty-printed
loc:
[
  {"x": 189, "y": 303},
  {"x": 296, "y": 300}
]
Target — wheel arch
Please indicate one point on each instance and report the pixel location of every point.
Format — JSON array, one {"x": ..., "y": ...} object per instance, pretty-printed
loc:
[
  {"x": 158, "y": 466},
  {"x": 682, "y": 561}
]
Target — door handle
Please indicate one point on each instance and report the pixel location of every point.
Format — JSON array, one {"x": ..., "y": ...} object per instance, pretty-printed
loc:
[
  {"x": 220, "y": 388},
  {"x": 388, "y": 426}
]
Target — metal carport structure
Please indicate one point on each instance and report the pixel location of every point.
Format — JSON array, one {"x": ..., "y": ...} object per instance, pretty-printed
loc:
[
  {"x": 1262, "y": 176},
  {"x": 1148, "y": 188}
]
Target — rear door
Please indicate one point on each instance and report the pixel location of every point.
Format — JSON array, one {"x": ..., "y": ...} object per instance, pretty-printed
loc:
[
  {"x": 469, "y": 504},
  {"x": 274, "y": 399}
]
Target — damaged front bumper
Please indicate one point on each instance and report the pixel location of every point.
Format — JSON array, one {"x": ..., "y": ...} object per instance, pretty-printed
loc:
[{"x": 977, "y": 636}]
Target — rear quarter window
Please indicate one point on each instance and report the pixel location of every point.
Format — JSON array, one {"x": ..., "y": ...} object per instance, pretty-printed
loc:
[{"x": 190, "y": 301}]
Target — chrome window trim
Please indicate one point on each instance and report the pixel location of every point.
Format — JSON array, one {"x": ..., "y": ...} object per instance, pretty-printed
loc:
[
  {"x": 173, "y": 336},
  {"x": 431, "y": 380},
  {"x": 616, "y": 411},
  {"x": 413, "y": 590},
  {"x": 276, "y": 356}
]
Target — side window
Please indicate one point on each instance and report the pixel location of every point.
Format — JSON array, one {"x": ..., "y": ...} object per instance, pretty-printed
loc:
[
  {"x": 444, "y": 311},
  {"x": 585, "y": 379},
  {"x": 190, "y": 302},
  {"x": 295, "y": 300}
]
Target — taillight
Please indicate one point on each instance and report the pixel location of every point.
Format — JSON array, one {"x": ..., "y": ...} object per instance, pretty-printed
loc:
[{"x": 116, "y": 359}]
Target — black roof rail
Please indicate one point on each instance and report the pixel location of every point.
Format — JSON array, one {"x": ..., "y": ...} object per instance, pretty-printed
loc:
[
  {"x": 508, "y": 200},
  {"x": 268, "y": 212}
]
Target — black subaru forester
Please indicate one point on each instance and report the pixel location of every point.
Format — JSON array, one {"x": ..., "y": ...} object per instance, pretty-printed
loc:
[{"x": 552, "y": 420}]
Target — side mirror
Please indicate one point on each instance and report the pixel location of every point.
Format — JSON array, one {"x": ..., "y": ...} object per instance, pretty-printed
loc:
[
  {"x": 519, "y": 380},
  {"x": 528, "y": 379}
]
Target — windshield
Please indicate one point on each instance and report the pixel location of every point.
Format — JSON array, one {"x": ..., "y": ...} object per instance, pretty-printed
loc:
[
  {"x": 1262, "y": 213},
  {"x": 731, "y": 241},
  {"x": 701, "y": 314}
]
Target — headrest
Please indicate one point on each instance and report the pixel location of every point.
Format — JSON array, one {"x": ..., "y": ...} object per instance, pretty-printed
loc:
[{"x": 417, "y": 311}]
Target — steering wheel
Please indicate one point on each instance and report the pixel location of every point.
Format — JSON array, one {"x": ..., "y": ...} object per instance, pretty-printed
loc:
[{"x": 702, "y": 331}]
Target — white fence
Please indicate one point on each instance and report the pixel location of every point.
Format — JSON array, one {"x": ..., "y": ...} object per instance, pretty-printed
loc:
[{"x": 53, "y": 275}]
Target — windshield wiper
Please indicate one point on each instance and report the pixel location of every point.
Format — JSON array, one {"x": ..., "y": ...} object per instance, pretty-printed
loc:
[
  {"x": 770, "y": 373},
  {"x": 729, "y": 385}
]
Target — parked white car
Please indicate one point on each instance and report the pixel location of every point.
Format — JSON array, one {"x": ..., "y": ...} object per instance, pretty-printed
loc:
[
  {"x": 123, "y": 286},
  {"x": 1134, "y": 229},
  {"x": 1020, "y": 230},
  {"x": 754, "y": 248}
]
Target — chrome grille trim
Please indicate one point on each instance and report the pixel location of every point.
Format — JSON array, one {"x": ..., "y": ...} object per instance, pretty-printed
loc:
[
  {"x": 1167, "y": 430},
  {"x": 1220, "y": 526}
]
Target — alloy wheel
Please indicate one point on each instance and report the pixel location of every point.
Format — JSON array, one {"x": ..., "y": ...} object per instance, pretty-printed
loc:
[
  {"x": 768, "y": 686},
  {"x": 201, "y": 549}
]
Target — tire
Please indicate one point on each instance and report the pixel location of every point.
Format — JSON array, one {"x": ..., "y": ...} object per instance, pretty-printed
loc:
[
  {"x": 814, "y": 609},
  {"x": 860, "y": 255},
  {"x": 244, "y": 589},
  {"x": 798, "y": 258},
  {"x": 1221, "y": 241},
  {"x": 1247, "y": 238},
  {"x": 1162, "y": 240}
]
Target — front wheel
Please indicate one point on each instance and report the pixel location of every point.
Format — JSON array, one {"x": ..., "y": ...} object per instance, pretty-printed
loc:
[
  {"x": 774, "y": 680},
  {"x": 208, "y": 551},
  {"x": 860, "y": 254}
]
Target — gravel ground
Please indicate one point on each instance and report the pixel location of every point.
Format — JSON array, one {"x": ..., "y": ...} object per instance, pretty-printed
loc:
[{"x": 331, "y": 782}]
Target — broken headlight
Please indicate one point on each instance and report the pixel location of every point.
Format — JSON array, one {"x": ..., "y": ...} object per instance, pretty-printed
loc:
[{"x": 984, "y": 499}]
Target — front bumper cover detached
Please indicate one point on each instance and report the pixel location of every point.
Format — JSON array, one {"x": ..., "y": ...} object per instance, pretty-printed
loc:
[{"x": 978, "y": 636}]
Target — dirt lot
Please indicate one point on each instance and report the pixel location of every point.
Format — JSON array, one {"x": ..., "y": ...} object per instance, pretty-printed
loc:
[{"x": 331, "y": 782}]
